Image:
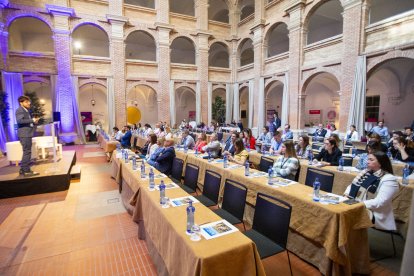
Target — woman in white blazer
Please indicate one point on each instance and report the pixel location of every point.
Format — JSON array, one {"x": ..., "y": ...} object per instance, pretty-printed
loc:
[
  {"x": 352, "y": 134},
  {"x": 376, "y": 187}
]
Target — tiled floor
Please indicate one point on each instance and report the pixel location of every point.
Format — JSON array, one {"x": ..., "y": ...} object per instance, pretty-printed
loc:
[{"x": 86, "y": 231}]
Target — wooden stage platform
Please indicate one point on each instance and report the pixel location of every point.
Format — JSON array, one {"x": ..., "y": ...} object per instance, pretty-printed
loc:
[{"x": 52, "y": 177}]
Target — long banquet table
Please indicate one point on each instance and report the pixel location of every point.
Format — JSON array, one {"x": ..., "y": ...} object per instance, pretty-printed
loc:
[
  {"x": 164, "y": 231},
  {"x": 332, "y": 237}
]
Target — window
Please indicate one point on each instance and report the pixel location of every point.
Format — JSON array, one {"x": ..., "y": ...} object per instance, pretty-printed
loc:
[{"x": 372, "y": 108}]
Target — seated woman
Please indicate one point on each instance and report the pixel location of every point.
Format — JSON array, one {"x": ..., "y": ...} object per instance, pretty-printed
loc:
[
  {"x": 240, "y": 154},
  {"x": 376, "y": 187},
  {"x": 371, "y": 147},
  {"x": 287, "y": 164},
  {"x": 201, "y": 142},
  {"x": 152, "y": 146},
  {"x": 303, "y": 147},
  {"x": 351, "y": 135},
  {"x": 249, "y": 138},
  {"x": 402, "y": 149},
  {"x": 377, "y": 138},
  {"x": 330, "y": 154}
]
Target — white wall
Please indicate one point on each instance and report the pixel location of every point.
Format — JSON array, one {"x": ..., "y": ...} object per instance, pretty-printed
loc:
[
  {"x": 274, "y": 97},
  {"x": 185, "y": 102},
  {"x": 244, "y": 105},
  {"x": 100, "y": 110}
]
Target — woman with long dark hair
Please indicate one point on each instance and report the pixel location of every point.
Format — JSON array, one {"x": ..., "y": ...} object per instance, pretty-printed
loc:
[
  {"x": 376, "y": 187},
  {"x": 240, "y": 154},
  {"x": 303, "y": 147},
  {"x": 330, "y": 154}
]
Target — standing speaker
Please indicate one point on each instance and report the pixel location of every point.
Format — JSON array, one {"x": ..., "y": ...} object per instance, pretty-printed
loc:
[{"x": 56, "y": 116}]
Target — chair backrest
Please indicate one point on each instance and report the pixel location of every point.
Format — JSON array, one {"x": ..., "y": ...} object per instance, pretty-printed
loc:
[
  {"x": 317, "y": 146},
  {"x": 297, "y": 174},
  {"x": 177, "y": 169},
  {"x": 272, "y": 218},
  {"x": 325, "y": 178},
  {"x": 220, "y": 136},
  {"x": 211, "y": 187},
  {"x": 265, "y": 163},
  {"x": 234, "y": 198},
  {"x": 191, "y": 176},
  {"x": 347, "y": 160}
]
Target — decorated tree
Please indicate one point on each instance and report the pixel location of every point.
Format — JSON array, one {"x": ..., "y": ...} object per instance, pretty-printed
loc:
[
  {"x": 4, "y": 109},
  {"x": 219, "y": 110},
  {"x": 36, "y": 107}
]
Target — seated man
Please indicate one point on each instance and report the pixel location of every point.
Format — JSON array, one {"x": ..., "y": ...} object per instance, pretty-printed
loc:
[
  {"x": 276, "y": 144},
  {"x": 164, "y": 160},
  {"x": 287, "y": 133},
  {"x": 229, "y": 147},
  {"x": 213, "y": 147},
  {"x": 264, "y": 139},
  {"x": 381, "y": 130},
  {"x": 320, "y": 133},
  {"x": 187, "y": 140},
  {"x": 126, "y": 139}
]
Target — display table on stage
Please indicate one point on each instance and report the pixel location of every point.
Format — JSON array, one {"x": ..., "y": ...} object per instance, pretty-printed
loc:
[
  {"x": 332, "y": 237},
  {"x": 169, "y": 246}
]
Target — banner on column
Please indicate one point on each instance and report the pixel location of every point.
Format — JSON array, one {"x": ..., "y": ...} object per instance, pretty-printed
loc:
[
  {"x": 191, "y": 115},
  {"x": 315, "y": 116}
]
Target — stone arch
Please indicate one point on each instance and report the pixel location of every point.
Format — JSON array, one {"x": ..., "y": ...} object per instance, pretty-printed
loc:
[
  {"x": 83, "y": 82},
  {"x": 33, "y": 78},
  {"x": 269, "y": 81},
  {"x": 319, "y": 27},
  {"x": 93, "y": 89},
  {"x": 219, "y": 85},
  {"x": 105, "y": 27},
  {"x": 277, "y": 39},
  {"x": 182, "y": 7},
  {"x": 221, "y": 13},
  {"x": 131, "y": 84},
  {"x": 133, "y": 29},
  {"x": 218, "y": 55},
  {"x": 245, "y": 52},
  {"x": 274, "y": 95},
  {"x": 245, "y": 7},
  {"x": 183, "y": 50},
  {"x": 90, "y": 39},
  {"x": 40, "y": 39},
  {"x": 19, "y": 14},
  {"x": 322, "y": 92},
  {"x": 140, "y": 45},
  {"x": 374, "y": 62},
  {"x": 185, "y": 99},
  {"x": 308, "y": 75}
]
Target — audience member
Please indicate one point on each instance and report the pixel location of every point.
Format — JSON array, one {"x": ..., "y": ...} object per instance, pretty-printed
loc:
[
  {"x": 163, "y": 162},
  {"x": 287, "y": 133},
  {"x": 403, "y": 150},
  {"x": 409, "y": 133},
  {"x": 320, "y": 133},
  {"x": 126, "y": 139},
  {"x": 377, "y": 138},
  {"x": 264, "y": 139},
  {"x": 201, "y": 142},
  {"x": 187, "y": 140},
  {"x": 381, "y": 130},
  {"x": 148, "y": 129},
  {"x": 152, "y": 146},
  {"x": 376, "y": 187},
  {"x": 303, "y": 147},
  {"x": 351, "y": 135},
  {"x": 275, "y": 123},
  {"x": 372, "y": 146},
  {"x": 276, "y": 143},
  {"x": 240, "y": 154},
  {"x": 287, "y": 164},
  {"x": 330, "y": 154},
  {"x": 250, "y": 141},
  {"x": 229, "y": 148},
  {"x": 213, "y": 147},
  {"x": 332, "y": 130}
]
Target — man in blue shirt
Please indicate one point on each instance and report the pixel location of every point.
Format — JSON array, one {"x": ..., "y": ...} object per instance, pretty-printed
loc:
[
  {"x": 187, "y": 140},
  {"x": 287, "y": 133},
  {"x": 276, "y": 144},
  {"x": 163, "y": 161},
  {"x": 264, "y": 139},
  {"x": 381, "y": 130},
  {"x": 126, "y": 139},
  {"x": 229, "y": 148},
  {"x": 275, "y": 123}
]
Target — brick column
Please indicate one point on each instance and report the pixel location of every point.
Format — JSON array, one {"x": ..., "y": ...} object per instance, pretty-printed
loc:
[
  {"x": 202, "y": 73},
  {"x": 352, "y": 35},
  {"x": 164, "y": 73},
  {"x": 117, "y": 50},
  {"x": 297, "y": 106},
  {"x": 64, "y": 87}
]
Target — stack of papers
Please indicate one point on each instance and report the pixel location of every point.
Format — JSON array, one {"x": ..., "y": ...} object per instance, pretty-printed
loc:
[
  {"x": 330, "y": 198},
  {"x": 257, "y": 174},
  {"x": 282, "y": 182},
  {"x": 217, "y": 229},
  {"x": 180, "y": 201}
]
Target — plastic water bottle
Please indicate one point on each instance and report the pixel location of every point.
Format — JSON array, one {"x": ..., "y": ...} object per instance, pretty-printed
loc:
[
  {"x": 126, "y": 156},
  {"x": 134, "y": 163},
  {"x": 389, "y": 155},
  {"x": 354, "y": 152},
  {"x": 270, "y": 176},
  {"x": 185, "y": 148},
  {"x": 196, "y": 151},
  {"x": 162, "y": 193},
  {"x": 209, "y": 156},
  {"x": 225, "y": 164},
  {"x": 310, "y": 157},
  {"x": 142, "y": 168},
  {"x": 190, "y": 216},
  {"x": 341, "y": 164},
  {"x": 248, "y": 146},
  {"x": 316, "y": 188},
  {"x": 246, "y": 169},
  {"x": 406, "y": 173},
  {"x": 151, "y": 180}
]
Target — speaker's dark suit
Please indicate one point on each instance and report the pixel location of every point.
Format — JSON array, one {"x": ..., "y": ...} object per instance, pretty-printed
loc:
[{"x": 25, "y": 133}]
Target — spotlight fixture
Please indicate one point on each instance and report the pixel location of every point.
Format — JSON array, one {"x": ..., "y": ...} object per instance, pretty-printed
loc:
[{"x": 93, "y": 102}]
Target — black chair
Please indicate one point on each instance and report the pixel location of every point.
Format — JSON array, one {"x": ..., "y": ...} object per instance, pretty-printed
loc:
[
  {"x": 316, "y": 146},
  {"x": 234, "y": 201},
  {"x": 392, "y": 233},
  {"x": 211, "y": 189},
  {"x": 297, "y": 174},
  {"x": 265, "y": 163},
  {"x": 270, "y": 226},
  {"x": 177, "y": 170},
  {"x": 219, "y": 136},
  {"x": 325, "y": 178},
  {"x": 190, "y": 178},
  {"x": 347, "y": 160}
]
